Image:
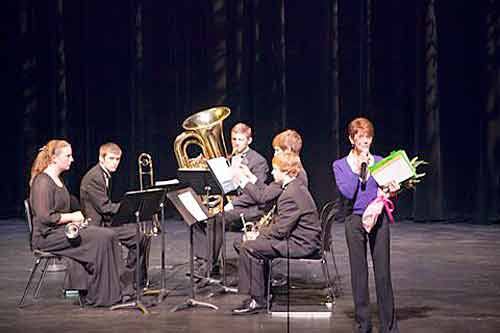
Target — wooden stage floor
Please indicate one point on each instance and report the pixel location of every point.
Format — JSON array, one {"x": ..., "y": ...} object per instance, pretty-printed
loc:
[{"x": 446, "y": 278}]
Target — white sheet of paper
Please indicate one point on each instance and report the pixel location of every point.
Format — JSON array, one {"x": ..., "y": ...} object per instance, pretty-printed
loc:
[
  {"x": 398, "y": 170},
  {"x": 192, "y": 206},
  {"x": 167, "y": 182},
  {"x": 223, "y": 173}
]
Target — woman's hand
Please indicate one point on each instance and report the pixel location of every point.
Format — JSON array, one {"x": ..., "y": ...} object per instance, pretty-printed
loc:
[{"x": 391, "y": 188}]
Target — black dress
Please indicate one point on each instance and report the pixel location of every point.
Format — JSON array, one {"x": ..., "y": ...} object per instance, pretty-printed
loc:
[{"x": 96, "y": 254}]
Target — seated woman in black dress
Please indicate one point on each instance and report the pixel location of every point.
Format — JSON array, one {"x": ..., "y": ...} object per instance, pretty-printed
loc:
[{"x": 97, "y": 249}]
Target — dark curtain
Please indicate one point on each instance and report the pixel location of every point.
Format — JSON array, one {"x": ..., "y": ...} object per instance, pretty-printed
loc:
[{"x": 130, "y": 71}]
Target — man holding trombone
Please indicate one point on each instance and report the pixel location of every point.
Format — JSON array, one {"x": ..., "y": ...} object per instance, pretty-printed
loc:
[{"x": 95, "y": 198}]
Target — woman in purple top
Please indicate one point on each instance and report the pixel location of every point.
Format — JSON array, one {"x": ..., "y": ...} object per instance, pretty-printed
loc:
[{"x": 355, "y": 184}]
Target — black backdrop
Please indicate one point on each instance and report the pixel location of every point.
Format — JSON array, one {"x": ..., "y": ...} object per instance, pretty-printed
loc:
[{"x": 426, "y": 72}]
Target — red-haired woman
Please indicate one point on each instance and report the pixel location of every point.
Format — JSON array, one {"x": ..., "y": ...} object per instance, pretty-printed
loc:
[
  {"x": 96, "y": 249},
  {"x": 355, "y": 184}
]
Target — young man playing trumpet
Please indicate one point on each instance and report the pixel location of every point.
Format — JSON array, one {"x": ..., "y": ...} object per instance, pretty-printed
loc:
[
  {"x": 95, "y": 197},
  {"x": 295, "y": 232}
]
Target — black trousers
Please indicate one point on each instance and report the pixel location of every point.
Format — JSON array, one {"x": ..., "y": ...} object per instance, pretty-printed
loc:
[
  {"x": 126, "y": 234},
  {"x": 379, "y": 242},
  {"x": 208, "y": 236},
  {"x": 253, "y": 268}
]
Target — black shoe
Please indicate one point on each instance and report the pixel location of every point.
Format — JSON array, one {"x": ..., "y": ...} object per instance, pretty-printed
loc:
[
  {"x": 279, "y": 282},
  {"x": 249, "y": 307}
]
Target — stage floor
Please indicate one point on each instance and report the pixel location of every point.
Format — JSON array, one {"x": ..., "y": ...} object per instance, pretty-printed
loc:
[{"x": 446, "y": 278}]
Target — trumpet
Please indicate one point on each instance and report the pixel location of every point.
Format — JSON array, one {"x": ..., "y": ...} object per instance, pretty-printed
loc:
[
  {"x": 252, "y": 230},
  {"x": 72, "y": 229}
]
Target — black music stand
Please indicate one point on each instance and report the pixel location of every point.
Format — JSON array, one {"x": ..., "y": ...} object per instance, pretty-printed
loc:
[
  {"x": 186, "y": 201},
  {"x": 205, "y": 181},
  {"x": 163, "y": 292},
  {"x": 137, "y": 206}
]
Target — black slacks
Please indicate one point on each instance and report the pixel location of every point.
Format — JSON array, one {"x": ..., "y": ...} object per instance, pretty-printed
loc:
[
  {"x": 379, "y": 242},
  {"x": 253, "y": 268}
]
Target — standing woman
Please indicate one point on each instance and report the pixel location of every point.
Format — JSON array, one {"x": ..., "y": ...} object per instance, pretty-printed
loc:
[
  {"x": 97, "y": 248},
  {"x": 355, "y": 184}
]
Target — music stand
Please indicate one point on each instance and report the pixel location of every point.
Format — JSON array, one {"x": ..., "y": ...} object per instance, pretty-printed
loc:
[
  {"x": 137, "y": 206},
  {"x": 189, "y": 205},
  {"x": 220, "y": 170},
  {"x": 162, "y": 292}
]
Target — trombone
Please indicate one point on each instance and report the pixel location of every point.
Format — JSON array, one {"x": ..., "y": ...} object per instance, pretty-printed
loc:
[{"x": 145, "y": 163}]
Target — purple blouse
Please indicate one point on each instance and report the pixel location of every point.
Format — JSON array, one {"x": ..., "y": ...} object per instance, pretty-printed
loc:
[{"x": 348, "y": 182}]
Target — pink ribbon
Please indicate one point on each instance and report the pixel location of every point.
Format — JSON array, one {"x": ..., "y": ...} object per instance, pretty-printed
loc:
[{"x": 388, "y": 205}]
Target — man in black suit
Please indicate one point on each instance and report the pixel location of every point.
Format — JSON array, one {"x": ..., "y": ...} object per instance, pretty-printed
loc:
[
  {"x": 95, "y": 197},
  {"x": 295, "y": 232},
  {"x": 242, "y": 154}
]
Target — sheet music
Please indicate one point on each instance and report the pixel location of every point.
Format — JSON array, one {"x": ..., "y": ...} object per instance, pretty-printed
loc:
[
  {"x": 223, "y": 173},
  {"x": 167, "y": 182},
  {"x": 192, "y": 206}
]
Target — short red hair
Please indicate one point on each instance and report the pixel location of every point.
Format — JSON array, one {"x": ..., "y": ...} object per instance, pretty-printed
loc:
[
  {"x": 288, "y": 162},
  {"x": 358, "y": 125},
  {"x": 288, "y": 140}
]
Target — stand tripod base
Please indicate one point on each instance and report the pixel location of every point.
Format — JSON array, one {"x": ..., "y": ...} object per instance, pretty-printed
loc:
[
  {"x": 135, "y": 304},
  {"x": 191, "y": 303},
  {"x": 161, "y": 293}
]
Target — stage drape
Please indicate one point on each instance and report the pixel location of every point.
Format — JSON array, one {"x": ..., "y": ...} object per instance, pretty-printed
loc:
[{"x": 426, "y": 72}]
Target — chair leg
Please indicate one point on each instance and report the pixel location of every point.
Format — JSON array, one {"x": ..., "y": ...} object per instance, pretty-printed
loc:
[
  {"x": 336, "y": 280},
  {"x": 326, "y": 274},
  {"x": 33, "y": 270},
  {"x": 39, "y": 284},
  {"x": 269, "y": 278}
]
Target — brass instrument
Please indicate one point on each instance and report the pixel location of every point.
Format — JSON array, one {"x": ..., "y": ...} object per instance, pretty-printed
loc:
[
  {"x": 251, "y": 230},
  {"x": 203, "y": 129},
  {"x": 145, "y": 164},
  {"x": 72, "y": 229}
]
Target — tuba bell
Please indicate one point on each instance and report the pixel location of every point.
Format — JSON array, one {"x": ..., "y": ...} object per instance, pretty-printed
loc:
[{"x": 203, "y": 129}]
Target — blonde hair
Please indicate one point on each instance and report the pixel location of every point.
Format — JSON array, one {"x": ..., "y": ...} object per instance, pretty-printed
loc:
[
  {"x": 243, "y": 129},
  {"x": 360, "y": 124},
  {"x": 288, "y": 140},
  {"x": 288, "y": 162},
  {"x": 109, "y": 147},
  {"x": 44, "y": 156}
]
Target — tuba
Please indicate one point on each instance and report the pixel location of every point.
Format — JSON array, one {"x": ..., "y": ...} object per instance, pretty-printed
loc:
[{"x": 203, "y": 129}]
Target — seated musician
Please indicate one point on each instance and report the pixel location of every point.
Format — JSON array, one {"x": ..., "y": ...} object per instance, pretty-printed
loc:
[
  {"x": 242, "y": 154},
  {"x": 294, "y": 233},
  {"x": 286, "y": 141},
  {"x": 95, "y": 254},
  {"x": 95, "y": 197}
]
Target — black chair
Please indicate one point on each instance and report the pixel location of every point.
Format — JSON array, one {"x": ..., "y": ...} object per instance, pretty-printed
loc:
[
  {"x": 327, "y": 218},
  {"x": 40, "y": 257}
]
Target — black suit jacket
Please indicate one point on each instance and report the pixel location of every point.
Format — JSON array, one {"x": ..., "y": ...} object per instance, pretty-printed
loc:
[
  {"x": 297, "y": 220},
  {"x": 95, "y": 198},
  {"x": 258, "y": 166}
]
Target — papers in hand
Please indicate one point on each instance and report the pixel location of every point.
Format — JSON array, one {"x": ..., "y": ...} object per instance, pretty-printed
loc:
[
  {"x": 192, "y": 206},
  {"x": 394, "y": 168},
  {"x": 222, "y": 173}
]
